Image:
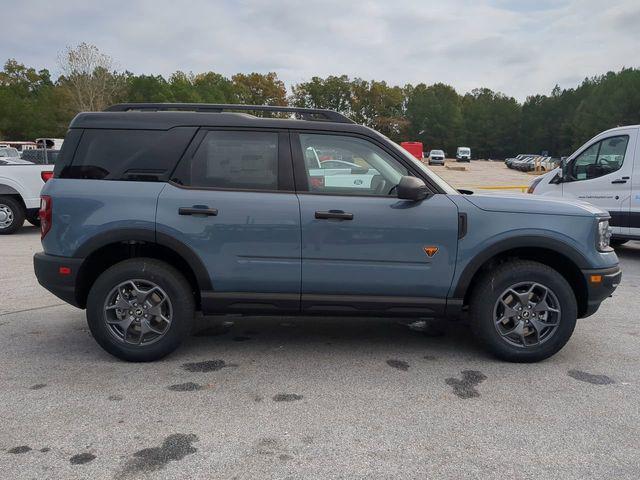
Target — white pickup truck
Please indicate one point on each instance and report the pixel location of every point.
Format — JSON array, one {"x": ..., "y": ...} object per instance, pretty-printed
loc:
[{"x": 20, "y": 185}]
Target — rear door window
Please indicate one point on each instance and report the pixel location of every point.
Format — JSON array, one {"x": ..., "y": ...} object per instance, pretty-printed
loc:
[{"x": 241, "y": 160}]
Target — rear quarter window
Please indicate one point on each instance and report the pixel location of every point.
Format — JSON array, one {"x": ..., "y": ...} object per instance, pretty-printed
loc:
[{"x": 114, "y": 154}]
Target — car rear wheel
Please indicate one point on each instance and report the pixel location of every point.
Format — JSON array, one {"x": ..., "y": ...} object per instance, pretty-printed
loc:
[
  {"x": 140, "y": 310},
  {"x": 11, "y": 215},
  {"x": 523, "y": 311}
]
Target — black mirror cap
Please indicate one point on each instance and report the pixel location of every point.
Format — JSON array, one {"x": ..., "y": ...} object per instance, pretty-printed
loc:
[
  {"x": 557, "y": 178},
  {"x": 412, "y": 188}
]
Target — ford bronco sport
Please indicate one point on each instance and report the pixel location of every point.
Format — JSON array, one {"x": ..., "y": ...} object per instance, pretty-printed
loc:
[{"x": 158, "y": 210}]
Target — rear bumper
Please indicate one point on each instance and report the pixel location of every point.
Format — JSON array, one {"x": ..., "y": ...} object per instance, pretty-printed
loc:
[
  {"x": 597, "y": 291},
  {"x": 57, "y": 281}
]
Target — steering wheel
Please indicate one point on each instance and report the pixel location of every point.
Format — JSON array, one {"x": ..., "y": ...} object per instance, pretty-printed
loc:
[{"x": 395, "y": 187}]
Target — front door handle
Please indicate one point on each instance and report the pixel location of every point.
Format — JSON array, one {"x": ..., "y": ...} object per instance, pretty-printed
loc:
[
  {"x": 198, "y": 210},
  {"x": 334, "y": 214},
  {"x": 620, "y": 180}
]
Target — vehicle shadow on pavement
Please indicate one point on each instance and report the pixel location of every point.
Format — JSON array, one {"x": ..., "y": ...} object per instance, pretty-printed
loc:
[
  {"x": 26, "y": 230},
  {"x": 330, "y": 335},
  {"x": 629, "y": 251}
]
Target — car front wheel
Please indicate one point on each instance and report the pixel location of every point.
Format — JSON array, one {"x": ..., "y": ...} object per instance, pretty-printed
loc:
[
  {"x": 140, "y": 310},
  {"x": 523, "y": 311}
]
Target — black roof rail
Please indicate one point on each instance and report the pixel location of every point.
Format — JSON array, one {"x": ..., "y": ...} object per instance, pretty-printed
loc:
[{"x": 300, "y": 113}]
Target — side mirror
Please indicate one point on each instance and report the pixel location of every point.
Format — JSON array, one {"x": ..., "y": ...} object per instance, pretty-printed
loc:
[
  {"x": 557, "y": 179},
  {"x": 562, "y": 174},
  {"x": 412, "y": 188}
]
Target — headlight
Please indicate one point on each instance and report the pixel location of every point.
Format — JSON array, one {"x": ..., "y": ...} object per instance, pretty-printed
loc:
[{"x": 603, "y": 236}]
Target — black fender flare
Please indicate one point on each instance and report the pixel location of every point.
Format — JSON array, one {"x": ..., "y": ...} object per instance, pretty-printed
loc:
[
  {"x": 525, "y": 241},
  {"x": 148, "y": 236}
]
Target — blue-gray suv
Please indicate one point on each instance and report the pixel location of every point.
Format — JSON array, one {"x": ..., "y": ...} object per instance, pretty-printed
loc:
[{"x": 156, "y": 211}]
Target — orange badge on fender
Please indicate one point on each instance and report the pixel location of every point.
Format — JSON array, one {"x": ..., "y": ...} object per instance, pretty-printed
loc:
[{"x": 430, "y": 251}]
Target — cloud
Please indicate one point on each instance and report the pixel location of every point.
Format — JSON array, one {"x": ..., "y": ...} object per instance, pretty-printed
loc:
[{"x": 517, "y": 47}]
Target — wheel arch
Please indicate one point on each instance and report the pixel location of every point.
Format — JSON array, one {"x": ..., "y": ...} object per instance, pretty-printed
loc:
[
  {"x": 563, "y": 258},
  {"x": 103, "y": 251},
  {"x": 8, "y": 190}
]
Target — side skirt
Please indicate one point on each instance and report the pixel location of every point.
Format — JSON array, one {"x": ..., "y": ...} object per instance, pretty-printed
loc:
[{"x": 313, "y": 304}]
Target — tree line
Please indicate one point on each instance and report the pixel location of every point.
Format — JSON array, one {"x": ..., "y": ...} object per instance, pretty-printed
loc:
[{"x": 494, "y": 125}]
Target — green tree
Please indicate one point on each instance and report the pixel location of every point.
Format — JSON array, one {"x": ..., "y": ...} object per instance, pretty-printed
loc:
[
  {"x": 333, "y": 93},
  {"x": 435, "y": 116},
  {"x": 212, "y": 87},
  {"x": 148, "y": 88},
  {"x": 30, "y": 104},
  {"x": 491, "y": 123}
]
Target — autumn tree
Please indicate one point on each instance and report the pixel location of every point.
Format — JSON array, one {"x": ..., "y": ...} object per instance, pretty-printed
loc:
[
  {"x": 90, "y": 77},
  {"x": 259, "y": 89}
]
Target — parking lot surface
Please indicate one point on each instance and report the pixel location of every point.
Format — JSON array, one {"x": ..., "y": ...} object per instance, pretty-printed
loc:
[
  {"x": 479, "y": 174},
  {"x": 322, "y": 398}
]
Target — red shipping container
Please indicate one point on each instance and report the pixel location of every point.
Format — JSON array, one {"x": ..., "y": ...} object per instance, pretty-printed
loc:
[{"x": 414, "y": 148}]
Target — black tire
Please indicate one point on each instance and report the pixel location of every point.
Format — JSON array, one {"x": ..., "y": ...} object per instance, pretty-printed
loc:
[
  {"x": 34, "y": 219},
  {"x": 177, "y": 289},
  {"x": 486, "y": 295},
  {"x": 616, "y": 242},
  {"x": 13, "y": 207}
]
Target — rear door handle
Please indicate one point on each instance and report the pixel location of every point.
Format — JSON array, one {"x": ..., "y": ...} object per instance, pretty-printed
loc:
[
  {"x": 620, "y": 180},
  {"x": 335, "y": 214},
  {"x": 198, "y": 210}
]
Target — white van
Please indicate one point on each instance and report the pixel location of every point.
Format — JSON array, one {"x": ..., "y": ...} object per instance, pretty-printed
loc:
[
  {"x": 605, "y": 171},
  {"x": 463, "y": 154}
]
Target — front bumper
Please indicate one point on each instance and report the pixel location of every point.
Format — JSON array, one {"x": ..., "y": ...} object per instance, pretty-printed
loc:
[
  {"x": 601, "y": 283},
  {"x": 58, "y": 275}
]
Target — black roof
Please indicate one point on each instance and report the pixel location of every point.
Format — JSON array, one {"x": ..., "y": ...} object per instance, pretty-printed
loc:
[{"x": 162, "y": 116}]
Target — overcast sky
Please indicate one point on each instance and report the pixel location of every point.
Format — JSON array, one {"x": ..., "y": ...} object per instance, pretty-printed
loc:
[{"x": 516, "y": 47}]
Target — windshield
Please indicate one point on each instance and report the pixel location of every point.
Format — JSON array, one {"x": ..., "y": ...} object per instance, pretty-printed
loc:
[
  {"x": 9, "y": 152},
  {"x": 437, "y": 152},
  {"x": 463, "y": 151},
  {"x": 448, "y": 189}
]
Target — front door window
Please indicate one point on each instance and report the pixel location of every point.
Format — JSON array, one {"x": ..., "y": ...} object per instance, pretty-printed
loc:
[
  {"x": 343, "y": 165},
  {"x": 601, "y": 158}
]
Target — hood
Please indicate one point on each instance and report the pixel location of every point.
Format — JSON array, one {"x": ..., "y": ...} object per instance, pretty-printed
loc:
[{"x": 526, "y": 203}]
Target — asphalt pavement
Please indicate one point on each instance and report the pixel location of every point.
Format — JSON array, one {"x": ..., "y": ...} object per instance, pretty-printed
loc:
[{"x": 260, "y": 397}]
